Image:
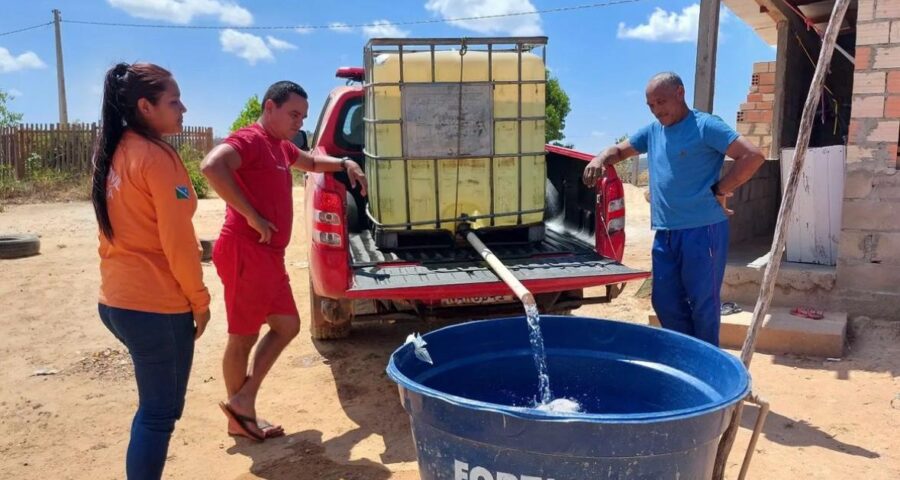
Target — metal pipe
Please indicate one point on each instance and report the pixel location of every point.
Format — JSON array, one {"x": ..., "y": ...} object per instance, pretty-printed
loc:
[
  {"x": 455, "y": 41},
  {"x": 497, "y": 266},
  {"x": 494, "y": 82},
  {"x": 461, "y": 157},
  {"x": 460, "y": 218}
]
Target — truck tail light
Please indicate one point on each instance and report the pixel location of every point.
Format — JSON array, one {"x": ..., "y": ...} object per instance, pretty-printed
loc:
[
  {"x": 616, "y": 224},
  {"x": 328, "y": 214},
  {"x": 610, "y": 229},
  {"x": 616, "y": 205}
]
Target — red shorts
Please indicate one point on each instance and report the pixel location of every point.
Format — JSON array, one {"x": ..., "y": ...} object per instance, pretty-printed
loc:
[{"x": 256, "y": 284}]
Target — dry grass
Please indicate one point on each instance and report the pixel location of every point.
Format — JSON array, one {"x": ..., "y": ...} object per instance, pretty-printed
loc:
[{"x": 48, "y": 186}]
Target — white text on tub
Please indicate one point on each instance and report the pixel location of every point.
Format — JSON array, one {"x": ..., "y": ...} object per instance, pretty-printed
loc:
[{"x": 461, "y": 471}]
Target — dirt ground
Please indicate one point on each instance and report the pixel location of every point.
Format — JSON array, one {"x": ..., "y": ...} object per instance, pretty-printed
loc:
[{"x": 829, "y": 420}]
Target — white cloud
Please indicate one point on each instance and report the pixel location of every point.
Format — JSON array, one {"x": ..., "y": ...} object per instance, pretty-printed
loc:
[
  {"x": 303, "y": 30},
  {"x": 663, "y": 26},
  {"x": 279, "y": 44},
  {"x": 384, "y": 29},
  {"x": 184, "y": 11},
  {"x": 340, "y": 27},
  {"x": 598, "y": 133},
  {"x": 13, "y": 63},
  {"x": 521, "y": 25},
  {"x": 245, "y": 45},
  {"x": 13, "y": 93}
]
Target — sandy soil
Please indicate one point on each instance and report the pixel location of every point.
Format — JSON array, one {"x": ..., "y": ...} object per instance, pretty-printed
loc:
[{"x": 830, "y": 419}]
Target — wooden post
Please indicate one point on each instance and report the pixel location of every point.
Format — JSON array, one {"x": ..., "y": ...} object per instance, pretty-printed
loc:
[
  {"x": 707, "y": 41},
  {"x": 784, "y": 213},
  {"x": 784, "y": 31},
  {"x": 636, "y": 170},
  {"x": 19, "y": 155},
  {"x": 60, "y": 73}
]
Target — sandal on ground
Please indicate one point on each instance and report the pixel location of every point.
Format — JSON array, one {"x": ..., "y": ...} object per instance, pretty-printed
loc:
[
  {"x": 270, "y": 431},
  {"x": 243, "y": 423},
  {"x": 729, "y": 308},
  {"x": 809, "y": 313}
]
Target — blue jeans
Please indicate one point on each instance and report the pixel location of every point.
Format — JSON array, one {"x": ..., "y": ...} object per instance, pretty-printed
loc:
[
  {"x": 688, "y": 268},
  {"x": 162, "y": 349}
]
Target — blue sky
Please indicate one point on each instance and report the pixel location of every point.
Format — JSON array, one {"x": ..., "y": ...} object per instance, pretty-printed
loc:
[{"x": 602, "y": 56}]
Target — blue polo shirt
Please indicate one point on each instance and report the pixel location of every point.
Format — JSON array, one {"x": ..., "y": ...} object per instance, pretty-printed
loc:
[{"x": 685, "y": 160}]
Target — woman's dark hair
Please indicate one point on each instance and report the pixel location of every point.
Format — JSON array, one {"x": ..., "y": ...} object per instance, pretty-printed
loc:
[{"x": 123, "y": 86}]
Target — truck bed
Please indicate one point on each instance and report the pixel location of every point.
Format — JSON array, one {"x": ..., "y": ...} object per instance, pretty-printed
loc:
[{"x": 559, "y": 255}]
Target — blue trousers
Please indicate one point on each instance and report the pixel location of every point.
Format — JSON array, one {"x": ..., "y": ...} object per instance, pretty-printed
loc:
[
  {"x": 688, "y": 268},
  {"x": 162, "y": 350}
]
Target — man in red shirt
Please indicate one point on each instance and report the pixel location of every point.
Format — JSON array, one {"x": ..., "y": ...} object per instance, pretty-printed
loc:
[{"x": 250, "y": 170}]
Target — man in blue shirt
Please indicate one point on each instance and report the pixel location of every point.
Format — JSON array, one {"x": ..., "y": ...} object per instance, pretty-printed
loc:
[{"x": 686, "y": 150}]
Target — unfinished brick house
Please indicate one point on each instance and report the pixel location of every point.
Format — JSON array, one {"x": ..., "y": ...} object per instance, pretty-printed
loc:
[{"x": 843, "y": 251}]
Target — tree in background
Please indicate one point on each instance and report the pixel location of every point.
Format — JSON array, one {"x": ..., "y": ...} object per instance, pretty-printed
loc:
[
  {"x": 557, "y": 109},
  {"x": 631, "y": 170},
  {"x": 7, "y": 118},
  {"x": 251, "y": 112},
  {"x": 191, "y": 158}
]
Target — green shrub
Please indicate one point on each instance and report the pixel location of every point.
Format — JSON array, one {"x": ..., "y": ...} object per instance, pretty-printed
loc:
[
  {"x": 192, "y": 158},
  {"x": 42, "y": 183}
]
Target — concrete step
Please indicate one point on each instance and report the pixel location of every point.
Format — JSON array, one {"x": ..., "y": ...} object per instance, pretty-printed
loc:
[
  {"x": 783, "y": 333},
  {"x": 798, "y": 284}
]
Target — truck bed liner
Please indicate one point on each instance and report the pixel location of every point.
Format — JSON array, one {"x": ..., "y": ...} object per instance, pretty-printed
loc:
[{"x": 558, "y": 256}]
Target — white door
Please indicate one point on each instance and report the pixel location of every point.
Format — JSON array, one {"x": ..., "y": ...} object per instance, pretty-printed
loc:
[{"x": 815, "y": 224}]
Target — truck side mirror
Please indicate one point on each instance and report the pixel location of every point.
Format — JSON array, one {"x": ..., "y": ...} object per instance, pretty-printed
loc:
[{"x": 301, "y": 140}]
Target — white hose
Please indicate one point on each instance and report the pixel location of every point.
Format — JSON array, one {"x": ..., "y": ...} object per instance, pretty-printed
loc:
[{"x": 497, "y": 266}]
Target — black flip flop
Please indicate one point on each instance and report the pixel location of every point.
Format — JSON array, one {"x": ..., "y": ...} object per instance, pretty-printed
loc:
[
  {"x": 242, "y": 421},
  {"x": 729, "y": 308}
]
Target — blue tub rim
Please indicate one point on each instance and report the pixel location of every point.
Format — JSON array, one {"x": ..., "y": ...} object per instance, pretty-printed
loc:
[{"x": 532, "y": 414}]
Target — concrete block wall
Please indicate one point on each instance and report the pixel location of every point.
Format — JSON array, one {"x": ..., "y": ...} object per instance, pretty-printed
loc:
[
  {"x": 868, "y": 271},
  {"x": 754, "y": 119},
  {"x": 755, "y": 203}
]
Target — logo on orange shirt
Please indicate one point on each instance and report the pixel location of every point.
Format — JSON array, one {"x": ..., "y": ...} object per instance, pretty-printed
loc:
[
  {"x": 113, "y": 183},
  {"x": 182, "y": 192}
]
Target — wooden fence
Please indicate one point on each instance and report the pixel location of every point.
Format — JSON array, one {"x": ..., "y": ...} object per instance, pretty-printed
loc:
[{"x": 68, "y": 148}]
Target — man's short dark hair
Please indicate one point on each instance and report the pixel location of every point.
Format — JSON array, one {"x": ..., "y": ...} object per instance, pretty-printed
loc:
[{"x": 279, "y": 92}]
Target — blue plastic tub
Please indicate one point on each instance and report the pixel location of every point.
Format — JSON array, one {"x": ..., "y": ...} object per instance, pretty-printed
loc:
[{"x": 655, "y": 402}]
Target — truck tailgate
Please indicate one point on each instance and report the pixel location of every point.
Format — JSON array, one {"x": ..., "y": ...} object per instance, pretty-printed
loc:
[{"x": 560, "y": 259}]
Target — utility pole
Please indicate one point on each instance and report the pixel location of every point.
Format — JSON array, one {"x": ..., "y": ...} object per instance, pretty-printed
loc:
[
  {"x": 60, "y": 75},
  {"x": 707, "y": 41}
]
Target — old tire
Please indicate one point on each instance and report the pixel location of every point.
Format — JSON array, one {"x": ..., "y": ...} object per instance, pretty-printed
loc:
[
  {"x": 18, "y": 246},
  {"x": 207, "y": 246},
  {"x": 323, "y": 328}
]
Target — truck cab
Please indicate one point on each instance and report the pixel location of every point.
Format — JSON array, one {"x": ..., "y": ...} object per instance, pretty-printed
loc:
[{"x": 353, "y": 278}]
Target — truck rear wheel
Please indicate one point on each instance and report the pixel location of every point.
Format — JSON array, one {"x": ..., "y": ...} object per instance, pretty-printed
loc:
[{"x": 329, "y": 319}]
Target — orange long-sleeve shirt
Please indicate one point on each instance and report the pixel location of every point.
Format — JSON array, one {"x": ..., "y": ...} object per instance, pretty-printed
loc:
[{"x": 153, "y": 262}]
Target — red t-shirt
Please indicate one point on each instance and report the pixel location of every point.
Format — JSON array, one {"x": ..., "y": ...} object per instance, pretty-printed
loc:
[{"x": 265, "y": 179}]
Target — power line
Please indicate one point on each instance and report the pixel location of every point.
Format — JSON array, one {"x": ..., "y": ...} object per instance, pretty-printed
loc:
[
  {"x": 358, "y": 25},
  {"x": 25, "y": 29}
]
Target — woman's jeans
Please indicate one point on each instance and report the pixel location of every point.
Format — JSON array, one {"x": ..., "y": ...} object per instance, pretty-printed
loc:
[{"x": 162, "y": 349}]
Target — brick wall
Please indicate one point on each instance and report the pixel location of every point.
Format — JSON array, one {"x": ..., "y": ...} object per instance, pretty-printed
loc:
[
  {"x": 755, "y": 203},
  {"x": 754, "y": 119},
  {"x": 868, "y": 272}
]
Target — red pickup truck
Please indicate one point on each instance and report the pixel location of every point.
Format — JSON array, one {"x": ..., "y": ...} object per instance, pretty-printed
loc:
[{"x": 353, "y": 280}]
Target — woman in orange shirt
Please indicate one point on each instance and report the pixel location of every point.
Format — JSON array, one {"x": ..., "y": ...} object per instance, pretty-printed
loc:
[{"x": 152, "y": 296}]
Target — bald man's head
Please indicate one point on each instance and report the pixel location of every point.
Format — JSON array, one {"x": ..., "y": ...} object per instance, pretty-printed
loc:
[{"x": 665, "y": 97}]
